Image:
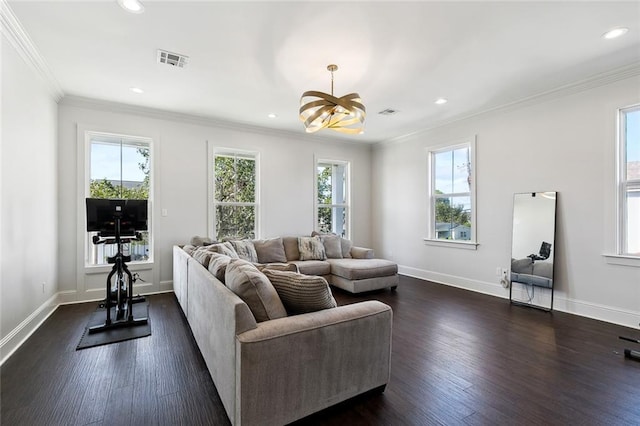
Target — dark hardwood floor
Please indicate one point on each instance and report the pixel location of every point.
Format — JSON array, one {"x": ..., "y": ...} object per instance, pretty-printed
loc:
[{"x": 458, "y": 358}]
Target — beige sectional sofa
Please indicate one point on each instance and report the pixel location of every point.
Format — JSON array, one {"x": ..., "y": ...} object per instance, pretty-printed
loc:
[
  {"x": 348, "y": 267},
  {"x": 279, "y": 370}
]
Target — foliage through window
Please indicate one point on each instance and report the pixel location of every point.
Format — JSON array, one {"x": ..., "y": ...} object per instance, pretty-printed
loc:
[
  {"x": 451, "y": 193},
  {"x": 332, "y": 200},
  {"x": 119, "y": 168},
  {"x": 235, "y": 204},
  {"x": 629, "y": 181}
]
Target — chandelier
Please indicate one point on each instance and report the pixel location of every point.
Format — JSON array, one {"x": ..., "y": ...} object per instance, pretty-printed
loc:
[{"x": 320, "y": 110}]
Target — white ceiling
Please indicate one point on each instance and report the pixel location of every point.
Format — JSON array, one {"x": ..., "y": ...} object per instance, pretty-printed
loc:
[{"x": 249, "y": 59}]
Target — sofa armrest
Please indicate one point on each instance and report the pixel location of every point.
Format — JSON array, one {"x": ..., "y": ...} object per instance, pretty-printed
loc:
[
  {"x": 361, "y": 253},
  {"x": 294, "y": 366}
]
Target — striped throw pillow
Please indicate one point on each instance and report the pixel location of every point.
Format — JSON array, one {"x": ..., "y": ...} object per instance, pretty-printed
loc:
[{"x": 301, "y": 293}]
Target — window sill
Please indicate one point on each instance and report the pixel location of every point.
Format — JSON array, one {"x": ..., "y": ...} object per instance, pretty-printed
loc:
[
  {"x": 103, "y": 269},
  {"x": 466, "y": 245},
  {"x": 623, "y": 260}
]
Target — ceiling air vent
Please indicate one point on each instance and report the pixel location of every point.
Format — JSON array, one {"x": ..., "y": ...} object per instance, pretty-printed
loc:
[
  {"x": 173, "y": 59},
  {"x": 388, "y": 111}
]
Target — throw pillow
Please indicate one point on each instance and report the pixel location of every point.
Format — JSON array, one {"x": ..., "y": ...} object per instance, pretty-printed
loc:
[
  {"x": 255, "y": 289},
  {"x": 332, "y": 246},
  {"x": 270, "y": 251},
  {"x": 245, "y": 250},
  {"x": 218, "y": 265},
  {"x": 311, "y": 248},
  {"x": 200, "y": 241},
  {"x": 301, "y": 293},
  {"x": 202, "y": 256},
  {"x": 188, "y": 248},
  {"x": 223, "y": 248}
]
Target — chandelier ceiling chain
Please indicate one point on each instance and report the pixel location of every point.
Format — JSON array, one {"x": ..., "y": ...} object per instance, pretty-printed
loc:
[{"x": 320, "y": 110}]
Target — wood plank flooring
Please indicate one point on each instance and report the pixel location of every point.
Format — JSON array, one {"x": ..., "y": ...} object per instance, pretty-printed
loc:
[{"x": 459, "y": 358}]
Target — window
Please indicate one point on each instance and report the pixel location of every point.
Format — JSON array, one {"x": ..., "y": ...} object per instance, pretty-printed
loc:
[
  {"x": 332, "y": 197},
  {"x": 235, "y": 205},
  {"x": 629, "y": 181},
  {"x": 118, "y": 167},
  {"x": 451, "y": 193}
]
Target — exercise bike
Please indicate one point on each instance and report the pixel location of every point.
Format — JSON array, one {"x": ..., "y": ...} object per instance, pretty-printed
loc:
[{"x": 119, "y": 289}]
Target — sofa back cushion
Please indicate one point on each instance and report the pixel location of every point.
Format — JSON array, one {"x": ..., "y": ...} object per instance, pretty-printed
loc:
[
  {"x": 218, "y": 265},
  {"x": 223, "y": 248},
  {"x": 291, "y": 248},
  {"x": 245, "y": 250},
  {"x": 255, "y": 289},
  {"x": 311, "y": 248},
  {"x": 270, "y": 251},
  {"x": 301, "y": 293}
]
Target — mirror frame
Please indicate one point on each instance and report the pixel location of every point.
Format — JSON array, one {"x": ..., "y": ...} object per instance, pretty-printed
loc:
[{"x": 524, "y": 276}]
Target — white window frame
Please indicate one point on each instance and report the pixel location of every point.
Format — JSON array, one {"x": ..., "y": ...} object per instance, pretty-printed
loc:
[
  {"x": 214, "y": 151},
  {"x": 623, "y": 184},
  {"x": 88, "y": 136},
  {"x": 431, "y": 238},
  {"x": 347, "y": 195}
]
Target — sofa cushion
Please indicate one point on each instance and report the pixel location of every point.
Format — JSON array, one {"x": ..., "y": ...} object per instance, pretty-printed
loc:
[
  {"x": 332, "y": 246},
  {"x": 189, "y": 249},
  {"x": 255, "y": 289},
  {"x": 245, "y": 250},
  {"x": 357, "y": 269},
  {"x": 291, "y": 248},
  {"x": 313, "y": 267},
  {"x": 218, "y": 265},
  {"x": 278, "y": 266},
  {"x": 301, "y": 293},
  {"x": 346, "y": 245},
  {"x": 311, "y": 248},
  {"x": 223, "y": 248},
  {"x": 202, "y": 255},
  {"x": 522, "y": 266},
  {"x": 270, "y": 251},
  {"x": 200, "y": 241}
]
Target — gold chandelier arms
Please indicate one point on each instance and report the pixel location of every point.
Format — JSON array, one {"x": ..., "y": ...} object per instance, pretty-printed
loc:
[{"x": 320, "y": 110}]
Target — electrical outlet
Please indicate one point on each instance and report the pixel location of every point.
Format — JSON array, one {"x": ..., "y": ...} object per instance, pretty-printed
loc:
[{"x": 498, "y": 271}]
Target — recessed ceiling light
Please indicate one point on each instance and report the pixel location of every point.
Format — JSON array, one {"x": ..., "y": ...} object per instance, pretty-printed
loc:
[
  {"x": 441, "y": 101},
  {"x": 136, "y": 90},
  {"x": 272, "y": 115},
  {"x": 615, "y": 33},
  {"x": 133, "y": 6}
]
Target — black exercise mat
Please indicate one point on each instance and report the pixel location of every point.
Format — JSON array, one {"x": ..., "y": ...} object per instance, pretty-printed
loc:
[{"x": 140, "y": 310}]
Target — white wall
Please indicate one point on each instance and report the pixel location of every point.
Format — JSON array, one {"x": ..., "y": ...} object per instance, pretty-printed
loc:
[
  {"x": 180, "y": 149},
  {"x": 564, "y": 144},
  {"x": 29, "y": 207}
]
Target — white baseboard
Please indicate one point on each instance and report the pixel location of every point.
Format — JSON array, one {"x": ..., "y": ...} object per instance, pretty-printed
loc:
[
  {"x": 563, "y": 304},
  {"x": 12, "y": 341}
]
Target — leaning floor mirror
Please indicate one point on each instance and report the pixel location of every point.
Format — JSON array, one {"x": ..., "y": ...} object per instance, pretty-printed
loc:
[{"x": 533, "y": 249}]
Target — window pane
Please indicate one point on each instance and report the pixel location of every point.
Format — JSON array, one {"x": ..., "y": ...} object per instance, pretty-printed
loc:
[
  {"x": 324, "y": 184},
  {"x": 235, "y": 222},
  {"x": 633, "y": 222},
  {"x": 443, "y": 171},
  {"x": 453, "y": 218},
  {"x": 119, "y": 168},
  {"x": 461, "y": 173},
  {"x": 324, "y": 220},
  {"x": 632, "y": 144},
  {"x": 235, "y": 179}
]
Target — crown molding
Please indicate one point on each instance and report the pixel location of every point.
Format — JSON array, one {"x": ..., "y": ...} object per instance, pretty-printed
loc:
[
  {"x": 160, "y": 114},
  {"x": 598, "y": 80},
  {"x": 20, "y": 40}
]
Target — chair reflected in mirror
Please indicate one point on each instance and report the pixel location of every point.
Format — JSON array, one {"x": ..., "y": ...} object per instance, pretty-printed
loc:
[{"x": 533, "y": 226}]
